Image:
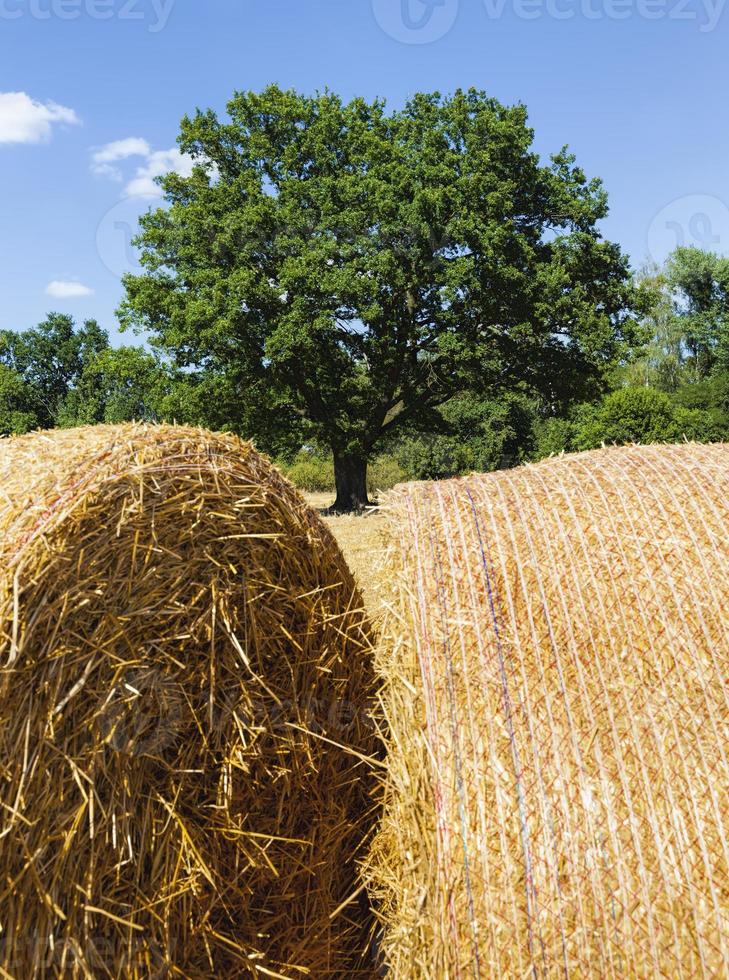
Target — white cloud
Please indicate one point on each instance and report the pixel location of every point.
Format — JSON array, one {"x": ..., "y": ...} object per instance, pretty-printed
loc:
[
  {"x": 156, "y": 164},
  {"x": 103, "y": 158},
  {"x": 24, "y": 120},
  {"x": 60, "y": 289}
]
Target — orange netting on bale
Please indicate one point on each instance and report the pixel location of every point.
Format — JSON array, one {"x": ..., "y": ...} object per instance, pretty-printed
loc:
[
  {"x": 556, "y": 689},
  {"x": 184, "y": 732}
]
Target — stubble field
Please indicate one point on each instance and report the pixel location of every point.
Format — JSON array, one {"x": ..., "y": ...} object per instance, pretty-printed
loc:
[{"x": 361, "y": 538}]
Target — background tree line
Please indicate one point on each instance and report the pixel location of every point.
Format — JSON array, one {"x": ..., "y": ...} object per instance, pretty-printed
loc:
[
  {"x": 673, "y": 385},
  {"x": 376, "y": 295}
]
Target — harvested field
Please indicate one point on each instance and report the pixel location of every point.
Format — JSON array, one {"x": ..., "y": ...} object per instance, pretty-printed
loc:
[
  {"x": 184, "y": 704},
  {"x": 363, "y": 543},
  {"x": 555, "y": 681}
]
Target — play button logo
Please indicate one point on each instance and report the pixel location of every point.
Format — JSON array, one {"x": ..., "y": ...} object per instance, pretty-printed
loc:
[{"x": 415, "y": 21}]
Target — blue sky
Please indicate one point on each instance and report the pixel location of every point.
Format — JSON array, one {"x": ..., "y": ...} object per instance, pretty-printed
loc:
[{"x": 92, "y": 91}]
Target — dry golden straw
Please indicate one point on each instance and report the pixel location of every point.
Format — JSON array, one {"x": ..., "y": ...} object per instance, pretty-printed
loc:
[
  {"x": 184, "y": 733},
  {"x": 556, "y": 687}
]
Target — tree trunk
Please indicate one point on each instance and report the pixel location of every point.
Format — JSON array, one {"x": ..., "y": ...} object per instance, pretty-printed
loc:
[{"x": 350, "y": 477}]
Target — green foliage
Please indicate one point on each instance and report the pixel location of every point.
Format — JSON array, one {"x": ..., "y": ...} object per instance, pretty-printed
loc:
[
  {"x": 644, "y": 415},
  {"x": 58, "y": 374},
  {"x": 118, "y": 385},
  {"x": 222, "y": 402},
  {"x": 687, "y": 323},
  {"x": 679, "y": 387},
  {"x": 552, "y": 436},
  {"x": 311, "y": 473},
  {"x": 435, "y": 457},
  {"x": 498, "y": 432},
  {"x": 51, "y": 358},
  {"x": 700, "y": 280},
  {"x": 359, "y": 267},
  {"x": 474, "y": 434},
  {"x": 661, "y": 363},
  {"x": 710, "y": 394},
  {"x": 628, "y": 415},
  {"x": 19, "y": 405},
  {"x": 314, "y": 473},
  {"x": 699, "y": 425},
  {"x": 383, "y": 473}
]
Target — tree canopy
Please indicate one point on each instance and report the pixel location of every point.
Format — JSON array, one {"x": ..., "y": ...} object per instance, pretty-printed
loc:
[
  {"x": 19, "y": 404},
  {"x": 699, "y": 283},
  {"x": 356, "y": 268},
  {"x": 49, "y": 359},
  {"x": 61, "y": 374}
]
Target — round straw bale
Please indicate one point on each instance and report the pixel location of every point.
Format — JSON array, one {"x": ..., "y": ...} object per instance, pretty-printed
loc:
[
  {"x": 184, "y": 728},
  {"x": 556, "y": 685}
]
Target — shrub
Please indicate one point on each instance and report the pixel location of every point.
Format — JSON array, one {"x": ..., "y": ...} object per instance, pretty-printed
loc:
[
  {"x": 700, "y": 425},
  {"x": 629, "y": 415},
  {"x": 311, "y": 473},
  {"x": 553, "y": 436},
  {"x": 383, "y": 473},
  {"x": 314, "y": 473},
  {"x": 645, "y": 415}
]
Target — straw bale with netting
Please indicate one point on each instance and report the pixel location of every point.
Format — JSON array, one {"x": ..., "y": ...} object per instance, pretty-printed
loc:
[{"x": 556, "y": 686}]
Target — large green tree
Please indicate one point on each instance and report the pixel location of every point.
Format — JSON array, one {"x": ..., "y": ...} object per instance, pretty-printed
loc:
[{"x": 359, "y": 266}]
